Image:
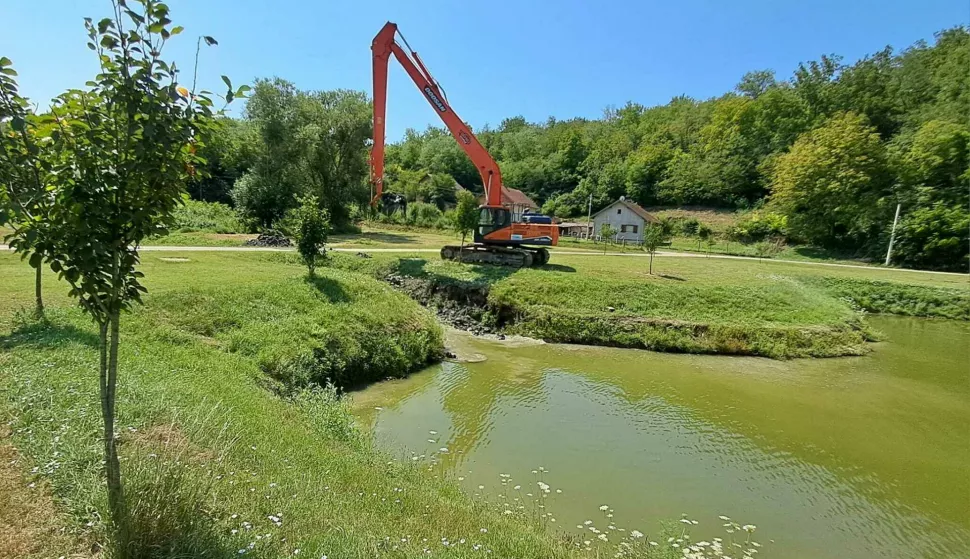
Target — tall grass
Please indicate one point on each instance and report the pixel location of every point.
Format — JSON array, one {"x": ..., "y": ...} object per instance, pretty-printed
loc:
[
  {"x": 209, "y": 217},
  {"x": 896, "y": 298}
]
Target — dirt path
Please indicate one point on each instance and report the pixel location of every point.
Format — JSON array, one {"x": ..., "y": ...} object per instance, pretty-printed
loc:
[{"x": 556, "y": 251}]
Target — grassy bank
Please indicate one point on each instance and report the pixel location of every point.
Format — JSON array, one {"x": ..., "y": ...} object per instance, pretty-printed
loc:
[
  {"x": 228, "y": 464},
  {"x": 226, "y": 449},
  {"x": 692, "y": 305}
]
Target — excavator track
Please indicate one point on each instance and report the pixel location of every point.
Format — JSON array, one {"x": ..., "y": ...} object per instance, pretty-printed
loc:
[{"x": 515, "y": 257}]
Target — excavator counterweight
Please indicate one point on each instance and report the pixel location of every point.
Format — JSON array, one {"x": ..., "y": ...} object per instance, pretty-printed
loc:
[{"x": 499, "y": 238}]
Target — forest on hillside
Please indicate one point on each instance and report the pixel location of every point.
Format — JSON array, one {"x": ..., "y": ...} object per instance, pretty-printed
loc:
[{"x": 822, "y": 157}]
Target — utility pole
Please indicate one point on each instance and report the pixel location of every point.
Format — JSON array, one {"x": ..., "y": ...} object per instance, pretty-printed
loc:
[
  {"x": 892, "y": 235},
  {"x": 589, "y": 215}
]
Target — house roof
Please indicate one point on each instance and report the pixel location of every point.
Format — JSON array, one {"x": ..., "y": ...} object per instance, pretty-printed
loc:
[
  {"x": 516, "y": 197},
  {"x": 513, "y": 197},
  {"x": 633, "y": 207}
]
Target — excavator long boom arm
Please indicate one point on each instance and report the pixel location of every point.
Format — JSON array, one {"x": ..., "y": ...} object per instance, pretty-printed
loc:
[{"x": 383, "y": 46}]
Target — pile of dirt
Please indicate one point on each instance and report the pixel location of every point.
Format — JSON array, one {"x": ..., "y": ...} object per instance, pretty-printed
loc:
[
  {"x": 458, "y": 304},
  {"x": 269, "y": 239}
]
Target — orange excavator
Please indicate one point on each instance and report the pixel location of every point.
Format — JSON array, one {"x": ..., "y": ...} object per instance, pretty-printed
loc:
[{"x": 499, "y": 238}]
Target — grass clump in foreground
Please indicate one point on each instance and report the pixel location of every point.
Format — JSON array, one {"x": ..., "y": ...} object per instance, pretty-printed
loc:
[{"x": 215, "y": 465}]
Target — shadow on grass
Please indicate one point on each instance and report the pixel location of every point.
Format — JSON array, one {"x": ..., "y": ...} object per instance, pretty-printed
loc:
[
  {"x": 329, "y": 288},
  {"x": 46, "y": 333},
  {"x": 558, "y": 268},
  {"x": 675, "y": 278}
]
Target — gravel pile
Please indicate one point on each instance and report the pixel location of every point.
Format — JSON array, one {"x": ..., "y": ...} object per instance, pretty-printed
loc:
[{"x": 269, "y": 239}]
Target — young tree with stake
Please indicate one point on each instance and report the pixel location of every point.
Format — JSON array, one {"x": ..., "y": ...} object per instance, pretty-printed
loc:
[
  {"x": 120, "y": 154},
  {"x": 24, "y": 199},
  {"x": 607, "y": 232},
  {"x": 654, "y": 236},
  {"x": 312, "y": 227}
]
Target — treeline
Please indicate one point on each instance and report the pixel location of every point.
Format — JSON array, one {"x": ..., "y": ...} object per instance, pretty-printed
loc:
[
  {"x": 290, "y": 144},
  {"x": 822, "y": 157}
]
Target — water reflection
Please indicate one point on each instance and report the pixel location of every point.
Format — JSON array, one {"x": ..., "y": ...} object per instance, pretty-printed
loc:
[{"x": 833, "y": 458}]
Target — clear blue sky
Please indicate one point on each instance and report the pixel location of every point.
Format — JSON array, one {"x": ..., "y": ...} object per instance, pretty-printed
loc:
[{"x": 495, "y": 59}]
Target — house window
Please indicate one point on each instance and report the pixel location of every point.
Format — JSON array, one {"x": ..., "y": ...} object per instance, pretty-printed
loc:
[
  {"x": 619, "y": 211},
  {"x": 629, "y": 229}
]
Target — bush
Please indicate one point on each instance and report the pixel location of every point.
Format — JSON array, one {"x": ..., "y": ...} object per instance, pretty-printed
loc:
[
  {"x": 689, "y": 227},
  {"x": 758, "y": 226},
  {"x": 934, "y": 238},
  {"x": 210, "y": 217},
  {"x": 422, "y": 214}
]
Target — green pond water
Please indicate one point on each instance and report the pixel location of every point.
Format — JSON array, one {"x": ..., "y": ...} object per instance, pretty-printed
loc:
[{"x": 851, "y": 457}]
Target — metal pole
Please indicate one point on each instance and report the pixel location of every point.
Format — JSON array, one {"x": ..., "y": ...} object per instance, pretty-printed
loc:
[
  {"x": 589, "y": 216},
  {"x": 892, "y": 235}
]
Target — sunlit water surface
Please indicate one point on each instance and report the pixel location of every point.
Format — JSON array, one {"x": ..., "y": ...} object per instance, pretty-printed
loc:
[{"x": 852, "y": 457}]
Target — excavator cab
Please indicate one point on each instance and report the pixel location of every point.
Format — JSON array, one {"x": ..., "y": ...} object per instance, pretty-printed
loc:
[{"x": 491, "y": 219}]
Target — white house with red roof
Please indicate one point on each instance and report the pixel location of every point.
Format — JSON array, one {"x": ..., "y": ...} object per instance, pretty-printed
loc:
[{"x": 627, "y": 218}]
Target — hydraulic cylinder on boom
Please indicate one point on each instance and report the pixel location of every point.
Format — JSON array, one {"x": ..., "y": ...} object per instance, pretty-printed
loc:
[{"x": 498, "y": 238}]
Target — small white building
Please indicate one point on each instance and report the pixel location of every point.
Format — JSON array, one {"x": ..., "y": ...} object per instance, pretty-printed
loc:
[
  {"x": 579, "y": 230},
  {"x": 627, "y": 218}
]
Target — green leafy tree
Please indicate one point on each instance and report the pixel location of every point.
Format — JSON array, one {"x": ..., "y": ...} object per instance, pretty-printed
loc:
[
  {"x": 311, "y": 226},
  {"x": 833, "y": 183},
  {"x": 122, "y": 153},
  {"x": 755, "y": 84},
  {"x": 442, "y": 190},
  {"x": 24, "y": 198},
  {"x": 655, "y": 236},
  {"x": 465, "y": 217},
  {"x": 933, "y": 163},
  {"x": 306, "y": 143}
]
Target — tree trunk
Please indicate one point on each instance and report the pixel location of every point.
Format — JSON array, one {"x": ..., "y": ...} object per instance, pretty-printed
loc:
[
  {"x": 461, "y": 250},
  {"x": 109, "y": 378},
  {"x": 39, "y": 292},
  {"x": 651, "y": 262}
]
